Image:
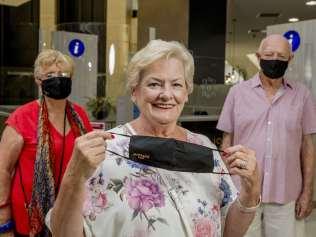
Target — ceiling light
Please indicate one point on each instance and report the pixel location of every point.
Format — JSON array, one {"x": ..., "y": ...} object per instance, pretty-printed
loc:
[
  {"x": 268, "y": 15},
  {"x": 255, "y": 31},
  {"x": 111, "y": 59},
  {"x": 293, "y": 19},
  {"x": 310, "y": 3}
]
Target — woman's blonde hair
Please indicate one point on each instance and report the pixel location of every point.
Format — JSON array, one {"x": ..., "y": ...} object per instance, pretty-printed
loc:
[
  {"x": 49, "y": 57},
  {"x": 155, "y": 50}
]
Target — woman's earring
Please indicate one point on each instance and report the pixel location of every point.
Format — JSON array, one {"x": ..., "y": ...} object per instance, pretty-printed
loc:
[
  {"x": 134, "y": 102},
  {"x": 133, "y": 99}
]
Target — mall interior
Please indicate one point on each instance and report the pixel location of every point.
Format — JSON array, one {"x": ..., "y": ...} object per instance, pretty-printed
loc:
[{"x": 102, "y": 35}]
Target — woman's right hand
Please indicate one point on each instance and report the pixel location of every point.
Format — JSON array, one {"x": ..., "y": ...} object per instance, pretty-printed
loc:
[{"x": 89, "y": 152}]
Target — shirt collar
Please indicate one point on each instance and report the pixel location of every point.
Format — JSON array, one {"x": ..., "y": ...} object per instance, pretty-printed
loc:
[{"x": 257, "y": 82}]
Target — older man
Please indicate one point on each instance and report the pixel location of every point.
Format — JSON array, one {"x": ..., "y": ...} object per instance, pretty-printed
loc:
[{"x": 277, "y": 119}]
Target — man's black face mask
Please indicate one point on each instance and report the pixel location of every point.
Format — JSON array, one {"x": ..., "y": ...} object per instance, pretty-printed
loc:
[
  {"x": 171, "y": 154},
  {"x": 273, "y": 69}
]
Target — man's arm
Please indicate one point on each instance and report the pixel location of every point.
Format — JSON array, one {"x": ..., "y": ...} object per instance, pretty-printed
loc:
[{"x": 304, "y": 204}]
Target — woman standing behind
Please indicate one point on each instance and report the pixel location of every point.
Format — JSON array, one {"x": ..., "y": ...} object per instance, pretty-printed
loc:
[{"x": 36, "y": 146}]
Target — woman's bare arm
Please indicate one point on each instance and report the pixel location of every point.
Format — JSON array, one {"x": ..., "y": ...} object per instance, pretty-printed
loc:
[
  {"x": 88, "y": 154},
  {"x": 10, "y": 147}
]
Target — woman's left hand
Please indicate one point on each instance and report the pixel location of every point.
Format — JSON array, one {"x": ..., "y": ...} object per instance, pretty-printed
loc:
[{"x": 241, "y": 161}]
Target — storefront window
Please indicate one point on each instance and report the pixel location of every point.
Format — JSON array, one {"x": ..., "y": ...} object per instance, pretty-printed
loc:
[{"x": 18, "y": 49}]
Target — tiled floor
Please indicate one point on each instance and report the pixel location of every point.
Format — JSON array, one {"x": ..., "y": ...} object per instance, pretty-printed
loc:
[{"x": 311, "y": 225}]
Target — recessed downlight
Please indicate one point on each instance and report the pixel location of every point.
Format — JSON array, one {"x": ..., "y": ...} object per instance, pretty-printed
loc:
[
  {"x": 293, "y": 19},
  {"x": 311, "y": 3}
]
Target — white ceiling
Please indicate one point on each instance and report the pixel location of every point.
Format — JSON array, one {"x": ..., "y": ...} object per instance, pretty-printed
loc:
[
  {"x": 242, "y": 16},
  {"x": 245, "y": 12}
]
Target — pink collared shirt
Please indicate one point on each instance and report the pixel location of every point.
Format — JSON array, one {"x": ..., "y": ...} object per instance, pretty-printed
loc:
[{"x": 274, "y": 130}]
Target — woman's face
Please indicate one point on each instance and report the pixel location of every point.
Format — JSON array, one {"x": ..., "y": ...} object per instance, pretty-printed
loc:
[
  {"x": 162, "y": 92},
  {"x": 55, "y": 82}
]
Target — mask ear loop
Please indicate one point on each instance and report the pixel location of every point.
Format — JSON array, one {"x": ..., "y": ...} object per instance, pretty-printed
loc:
[
  {"x": 120, "y": 134},
  {"x": 115, "y": 153},
  {"x": 124, "y": 135}
]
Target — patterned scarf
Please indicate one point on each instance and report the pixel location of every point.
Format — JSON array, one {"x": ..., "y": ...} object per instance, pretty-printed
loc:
[{"x": 43, "y": 189}]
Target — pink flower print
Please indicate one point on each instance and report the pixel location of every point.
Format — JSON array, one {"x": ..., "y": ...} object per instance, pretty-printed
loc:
[
  {"x": 143, "y": 194},
  {"x": 215, "y": 209},
  {"x": 203, "y": 227},
  {"x": 101, "y": 200},
  {"x": 94, "y": 204},
  {"x": 96, "y": 200}
]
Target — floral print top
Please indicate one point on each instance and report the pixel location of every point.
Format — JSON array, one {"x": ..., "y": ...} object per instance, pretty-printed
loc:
[{"x": 128, "y": 199}]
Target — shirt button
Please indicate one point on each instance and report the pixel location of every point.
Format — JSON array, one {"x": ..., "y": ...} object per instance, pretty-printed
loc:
[
  {"x": 269, "y": 122},
  {"x": 268, "y": 139}
]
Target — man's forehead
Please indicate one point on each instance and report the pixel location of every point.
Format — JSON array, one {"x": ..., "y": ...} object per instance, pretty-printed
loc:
[
  {"x": 272, "y": 49},
  {"x": 276, "y": 44}
]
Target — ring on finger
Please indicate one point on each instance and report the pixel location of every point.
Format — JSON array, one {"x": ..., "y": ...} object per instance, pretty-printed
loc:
[{"x": 243, "y": 164}]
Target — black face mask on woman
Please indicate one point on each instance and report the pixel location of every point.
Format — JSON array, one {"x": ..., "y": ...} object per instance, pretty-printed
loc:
[
  {"x": 57, "y": 87},
  {"x": 273, "y": 69},
  {"x": 170, "y": 154}
]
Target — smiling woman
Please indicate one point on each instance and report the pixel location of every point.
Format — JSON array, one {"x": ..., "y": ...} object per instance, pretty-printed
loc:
[
  {"x": 162, "y": 92},
  {"x": 160, "y": 78},
  {"x": 154, "y": 200}
]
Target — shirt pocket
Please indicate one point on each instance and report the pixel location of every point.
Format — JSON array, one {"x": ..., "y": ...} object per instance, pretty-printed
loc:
[
  {"x": 293, "y": 118},
  {"x": 248, "y": 115}
]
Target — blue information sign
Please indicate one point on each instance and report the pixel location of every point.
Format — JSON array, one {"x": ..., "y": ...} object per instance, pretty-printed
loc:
[
  {"x": 294, "y": 39},
  {"x": 76, "y": 47}
]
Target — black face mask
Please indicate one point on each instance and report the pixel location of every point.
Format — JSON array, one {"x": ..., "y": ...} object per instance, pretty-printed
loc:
[
  {"x": 57, "y": 87},
  {"x": 170, "y": 154},
  {"x": 273, "y": 69}
]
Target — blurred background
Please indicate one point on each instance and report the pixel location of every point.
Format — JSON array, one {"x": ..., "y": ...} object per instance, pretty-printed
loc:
[{"x": 102, "y": 35}]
